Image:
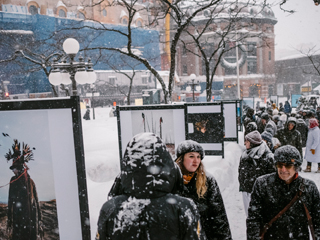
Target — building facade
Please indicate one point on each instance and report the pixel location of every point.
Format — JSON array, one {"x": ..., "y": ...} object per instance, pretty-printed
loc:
[{"x": 253, "y": 28}]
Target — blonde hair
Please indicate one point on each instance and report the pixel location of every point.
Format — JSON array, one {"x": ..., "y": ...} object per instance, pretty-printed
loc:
[{"x": 201, "y": 176}]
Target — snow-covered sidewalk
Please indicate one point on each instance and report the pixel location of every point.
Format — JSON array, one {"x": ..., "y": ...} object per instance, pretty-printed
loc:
[{"x": 100, "y": 138}]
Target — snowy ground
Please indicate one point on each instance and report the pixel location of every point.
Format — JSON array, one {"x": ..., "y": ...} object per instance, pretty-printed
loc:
[{"x": 100, "y": 138}]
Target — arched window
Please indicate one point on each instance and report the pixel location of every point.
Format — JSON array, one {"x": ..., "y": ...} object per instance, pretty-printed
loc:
[
  {"x": 125, "y": 21},
  {"x": 81, "y": 16},
  {"x": 104, "y": 12},
  {"x": 62, "y": 13},
  {"x": 33, "y": 10},
  {"x": 139, "y": 23}
]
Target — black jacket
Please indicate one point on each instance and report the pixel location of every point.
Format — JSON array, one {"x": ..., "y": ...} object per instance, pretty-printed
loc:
[
  {"x": 254, "y": 162},
  {"x": 269, "y": 196},
  {"x": 302, "y": 128},
  {"x": 147, "y": 209},
  {"x": 292, "y": 137},
  {"x": 212, "y": 212}
]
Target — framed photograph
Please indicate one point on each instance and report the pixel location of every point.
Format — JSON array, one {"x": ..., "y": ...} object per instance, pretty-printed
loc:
[
  {"x": 205, "y": 124},
  {"x": 166, "y": 121},
  {"x": 43, "y": 192}
]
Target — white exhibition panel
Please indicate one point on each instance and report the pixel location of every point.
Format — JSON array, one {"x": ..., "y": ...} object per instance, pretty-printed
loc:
[
  {"x": 212, "y": 146},
  {"x": 230, "y": 119},
  {"x": 65, "y": 173},
  {"x": 179, "y": 126},
  {"x": 126, "y": 129},
  {"x": 204, "y": 109}
]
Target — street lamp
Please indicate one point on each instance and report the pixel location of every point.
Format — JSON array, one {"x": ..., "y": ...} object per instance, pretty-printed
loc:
[
  {"x": 72, "y": 72},
  {"x": 198, "y": 88}
]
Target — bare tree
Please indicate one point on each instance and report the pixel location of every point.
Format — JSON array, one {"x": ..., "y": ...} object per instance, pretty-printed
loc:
[{"x": 313, "y": 55}]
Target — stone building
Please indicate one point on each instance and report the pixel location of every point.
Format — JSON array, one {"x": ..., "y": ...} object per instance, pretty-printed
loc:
[{"x": 255, "y": 27}]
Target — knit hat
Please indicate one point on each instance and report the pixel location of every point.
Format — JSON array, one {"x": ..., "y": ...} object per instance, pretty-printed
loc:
[
  {"x": 276, "y": 118},
  {"x": 266, "y": 135},
  {"x": 189, "y": 146},
  {"x": 254, "y": 137},
  {"x": 251, "y": 127},
  {"x": 313, "y": 122},
  {"x": 287, "y": 154},
  {"x": 265, "y": 116}
]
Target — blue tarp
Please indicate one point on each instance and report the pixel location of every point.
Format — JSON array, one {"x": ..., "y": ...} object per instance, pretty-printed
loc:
[{"x": 47, "y": 36}]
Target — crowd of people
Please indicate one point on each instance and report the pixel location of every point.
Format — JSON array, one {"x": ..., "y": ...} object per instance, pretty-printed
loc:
[{"x": 156, "y": 197}]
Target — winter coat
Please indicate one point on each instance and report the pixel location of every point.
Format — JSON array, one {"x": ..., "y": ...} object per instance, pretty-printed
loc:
[
  {"x": 147, "y": 209},
  {"x": 313, "y": 142},
  {"x": 212, "y": 211},
  {"x": 287, "y": 107},
  {"x": 292, "y": 137},
  {"x": 270, "y": 124},
  {"x": 269, "y": 196},
  {"x": 24, "y": 218},
  {"x": 254, "y": 162},
  {"x": 302, "y": 128},
  {"x": 260, "y": 125}
]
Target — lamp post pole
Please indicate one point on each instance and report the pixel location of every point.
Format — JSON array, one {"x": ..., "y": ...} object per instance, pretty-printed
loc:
[
  {"x": 72, "y": 72},
  {"x": 192, "y": 89},
  {"x": 93, "y": 115}
]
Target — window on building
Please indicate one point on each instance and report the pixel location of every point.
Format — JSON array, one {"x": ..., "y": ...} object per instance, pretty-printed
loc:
[
  {"x": 112, "y": 80},
  {"x": 139, "y": 23},
  {"x": 104, "y": 12},
  {"x": 81, "y": 16},
  {"x": 184, "y": 50},
  {"x": 252, "y": 48},
  {"x": 62, "y": 13},
  {"x": 184, "y": 70},
  {"x": 144, "y": 80},
  {"x": 125, "y": 21},
  {"x": 269, "y": 55},
  {"x": 33, "y": 10},
  {"x": 252, "y": 66}
]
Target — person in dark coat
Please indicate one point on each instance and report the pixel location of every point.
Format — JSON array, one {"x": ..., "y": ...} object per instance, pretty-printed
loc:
[
  {"x": 252, "y": 126},
  {"x": 24, "y": 213},
  {"x": 281, "y": 108},
  {"x": 289, "y": 135},
  {"x": 287, "y": 108},
  {"x": 302, "y": 128},
  {"x": 249, "y": 117},
  {"x": 147, "y": 209},
  {"x": 255, "y": 161},
  {"x": 267, "y": 137},
  {"x": 272, "y": 193},
  {"x": 86, "y": 116},
  {"x": 203, "y": 189}
]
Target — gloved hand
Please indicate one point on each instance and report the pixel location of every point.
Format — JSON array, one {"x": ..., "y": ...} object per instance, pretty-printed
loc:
[{"x": 313, "y": 151}]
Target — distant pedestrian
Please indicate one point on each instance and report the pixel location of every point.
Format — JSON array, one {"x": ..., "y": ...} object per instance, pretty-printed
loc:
[
  {"x": 86, "y": 116},
  {"x": 287, "y": 108},
  {"x": 255, "y": 161},
  {"x": 312, "y": 153}
]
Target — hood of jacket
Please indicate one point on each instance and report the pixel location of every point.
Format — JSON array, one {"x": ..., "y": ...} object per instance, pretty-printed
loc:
[
  {"x": 293, "y": 120},
  {"x": 147, "y": 168}
]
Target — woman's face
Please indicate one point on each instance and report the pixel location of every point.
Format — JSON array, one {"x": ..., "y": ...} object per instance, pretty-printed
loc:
[
  {"x": 191, "y": 161},
  {"x": 247, "y": 144}
]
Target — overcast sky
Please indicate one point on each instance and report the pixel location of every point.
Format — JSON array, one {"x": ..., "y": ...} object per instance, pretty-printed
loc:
[{"x": 297, "y": 29}]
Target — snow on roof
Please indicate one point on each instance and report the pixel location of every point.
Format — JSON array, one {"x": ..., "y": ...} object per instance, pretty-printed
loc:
[
  {"x": 298, "y": 55},
  {"x": 80, "y": 8},
  {"x": 61, "y": 4},
  {"x": 123, "y": 13},
  {"x": 15, "y": 32},
  {"x": 137, "y": 16}
]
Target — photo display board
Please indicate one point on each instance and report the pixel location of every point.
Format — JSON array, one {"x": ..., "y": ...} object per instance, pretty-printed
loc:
[
  {"x": 205, "y": 124},
  {"x": 230, "y": 113},
  {"x": 295, "y": 100},
  {"x": 166, "y": 121},
  {"x": 248, "y": 102},
  {"x": 42, "y": 161}
]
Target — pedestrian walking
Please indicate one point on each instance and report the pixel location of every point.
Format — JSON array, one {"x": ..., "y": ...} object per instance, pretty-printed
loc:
[
  {"x": 147, "y": 209},
  {"x": 312, "y": 153},
  {"x": 283, "y": 204},
  {"x": 203, "y": 189},
  {"x": 255, "y": 161}
]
